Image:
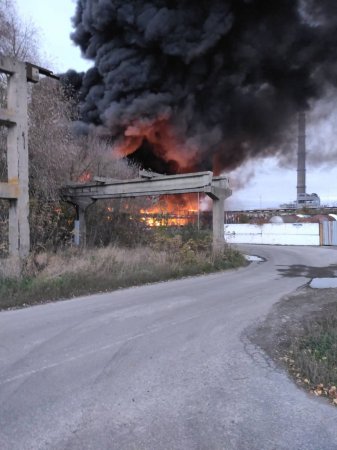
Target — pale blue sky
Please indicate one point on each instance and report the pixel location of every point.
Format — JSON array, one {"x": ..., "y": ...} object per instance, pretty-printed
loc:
[
  {"x": 53, "y": 20},
  {"x": 264, "y": 183}
]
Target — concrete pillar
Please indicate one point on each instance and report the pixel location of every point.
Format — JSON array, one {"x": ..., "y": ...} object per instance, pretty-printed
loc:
[
  {"x": 17, "y": 158},
  {"x": 80, "y": 227},
  {"x": 218, "y": 223},
  {"x": 220, "y": 191},
  {"x": 76, "y": 232}
]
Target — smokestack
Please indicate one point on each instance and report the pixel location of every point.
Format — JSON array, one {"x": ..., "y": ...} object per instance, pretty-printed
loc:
[{"x": 301, "y": 187}]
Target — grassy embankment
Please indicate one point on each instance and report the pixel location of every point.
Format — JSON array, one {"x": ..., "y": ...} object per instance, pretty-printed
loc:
[
  {"x": 312, "y": 353},
  {"x": 72, "y": 272}
]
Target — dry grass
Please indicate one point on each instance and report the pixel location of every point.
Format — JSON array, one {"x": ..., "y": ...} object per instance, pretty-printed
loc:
[
  {"x": 72, "y": 272},
  {"x": 312, "y": 353},
  {"x": 93, "y": 261},
  {"x": 10, "y": 268}
]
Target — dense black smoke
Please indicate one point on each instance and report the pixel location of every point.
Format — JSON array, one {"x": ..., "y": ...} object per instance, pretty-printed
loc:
[
  {"x": 228, "y": 76},
  {"x": 72, "y": 83}
]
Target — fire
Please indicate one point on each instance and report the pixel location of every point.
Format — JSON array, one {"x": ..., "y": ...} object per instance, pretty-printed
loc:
[
  {"x": 85, "y": 177},
  {"x": 181, "y": 156},
  {"x": 172, "y": 210},
  {"x": 165, "y": 142}
]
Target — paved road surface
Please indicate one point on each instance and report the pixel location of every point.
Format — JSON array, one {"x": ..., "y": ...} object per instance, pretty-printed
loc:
[{"x": 165, "y": 366}]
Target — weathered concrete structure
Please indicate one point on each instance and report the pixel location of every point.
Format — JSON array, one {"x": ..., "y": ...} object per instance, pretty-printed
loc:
[
  {"x": 82, "y": 196},
  {"x": 15, "y": 118}
]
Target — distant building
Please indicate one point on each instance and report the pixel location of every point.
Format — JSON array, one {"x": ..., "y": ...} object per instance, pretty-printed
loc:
[{"x": 308, "y": 200}]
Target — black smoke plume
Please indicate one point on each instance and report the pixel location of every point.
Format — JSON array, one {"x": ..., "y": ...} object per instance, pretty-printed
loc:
[{"x": 227, "y": 77}]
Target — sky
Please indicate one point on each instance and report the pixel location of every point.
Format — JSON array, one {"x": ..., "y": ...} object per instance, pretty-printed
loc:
[
  {"x": 53, "y": 21},
  {"x": 258, "y": 184}
]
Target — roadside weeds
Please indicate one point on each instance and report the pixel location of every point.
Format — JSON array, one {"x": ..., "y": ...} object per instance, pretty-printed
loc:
[
  {"x": 300, "y": 334},
  {"x": 312, "y": 354},
  {"x": 72, "y": 272}
]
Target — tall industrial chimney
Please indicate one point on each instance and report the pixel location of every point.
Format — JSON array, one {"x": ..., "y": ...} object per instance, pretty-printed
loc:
[
  {"x": 301, "y": 187},
  {"x": 303, "y": 199}
]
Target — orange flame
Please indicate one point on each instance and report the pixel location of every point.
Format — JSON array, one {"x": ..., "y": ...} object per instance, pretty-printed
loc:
[
  {"x": 172, "y": 210},
  {"x": 85, "y": 177},
  {"x": 165, "y": 143}
]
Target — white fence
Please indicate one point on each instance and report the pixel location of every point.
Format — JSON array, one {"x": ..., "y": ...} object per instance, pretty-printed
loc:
[
  {"x": 273, "y": 234},
  {"x": 329, "y": 233}
]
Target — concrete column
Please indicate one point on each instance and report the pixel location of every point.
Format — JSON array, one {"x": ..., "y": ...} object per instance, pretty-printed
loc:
[
  {"x": 76, "y": 232},
  {"x": 80, "y": 225},
  {"x": 218, "y": 223},
  {"x": 17, "y": 158},
  {"x": 220, "y": 191}
]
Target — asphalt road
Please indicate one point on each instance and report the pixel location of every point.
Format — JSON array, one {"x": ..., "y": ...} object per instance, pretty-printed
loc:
[{"x": 164, "y": 366}]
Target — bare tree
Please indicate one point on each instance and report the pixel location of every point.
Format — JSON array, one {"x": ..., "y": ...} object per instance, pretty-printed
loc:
[
  {"x": 57, "y": 154},
  {"x": 18, "y": 38}
]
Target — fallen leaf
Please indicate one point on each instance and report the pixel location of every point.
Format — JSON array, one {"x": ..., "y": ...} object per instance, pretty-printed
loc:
[{"x": 332, "y": 391}]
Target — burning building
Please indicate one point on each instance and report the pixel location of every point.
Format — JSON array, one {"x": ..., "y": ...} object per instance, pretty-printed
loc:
[{"x": 181, "y": 86}]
